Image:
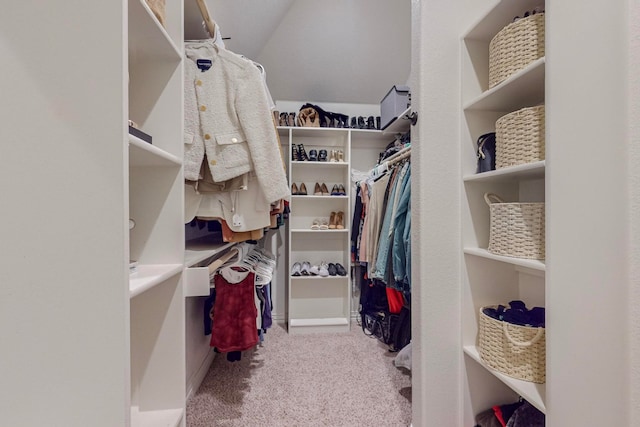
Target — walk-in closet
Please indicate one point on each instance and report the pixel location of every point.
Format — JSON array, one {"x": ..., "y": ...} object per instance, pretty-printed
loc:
[{"x": 340, "y": 213}]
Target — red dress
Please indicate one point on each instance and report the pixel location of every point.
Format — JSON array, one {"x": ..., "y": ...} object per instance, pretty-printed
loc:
[{"x": 234, "y": 311}]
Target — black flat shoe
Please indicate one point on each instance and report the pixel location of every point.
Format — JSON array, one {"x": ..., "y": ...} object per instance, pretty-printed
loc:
[
  {"x": 332, "y": 269},
  {"x": 340, "y": 270},
  {"x": 322, "y": 157},
  {"x": 313, "y": 156}
]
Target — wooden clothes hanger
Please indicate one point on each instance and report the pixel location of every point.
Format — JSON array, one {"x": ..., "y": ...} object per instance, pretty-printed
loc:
[{"x": 208, "y": 22}]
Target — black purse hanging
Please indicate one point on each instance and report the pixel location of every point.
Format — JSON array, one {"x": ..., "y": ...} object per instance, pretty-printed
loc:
[{"x": 486, "y": 152}]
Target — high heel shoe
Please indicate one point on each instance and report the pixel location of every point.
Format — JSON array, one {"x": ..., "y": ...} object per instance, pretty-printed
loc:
[
  {"x": 332, "y": 221},
  {"x": 292, "y": 119},
  {"x": 317, "y": 190},
  {"x": 340, "y": 220},
  {"x": 294, "y": 190},
  {"x": 303, "y": 190},
  {"x": 295, "y": 154},
  {"x": 334, "y": 191},
  {"x": 324, "y": 189},
  {"x": 371, "y": 123},
  {"x": 339, "y": 156},
  {"x": 283, "y": 119},
  {"x": 361, "y": 124},
  {"x": 334, "y": 157},
  {"x": 354, "y": 124},
  {"x": 303, "y": 153},
  {"x": 341, "y": 190}
]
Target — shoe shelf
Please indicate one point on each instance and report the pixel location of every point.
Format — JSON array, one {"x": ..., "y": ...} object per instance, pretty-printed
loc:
[
  {"x": 487, "y": 278},
  {"x": 315, "y": 164},
  {"x": 318, "y": 278}
]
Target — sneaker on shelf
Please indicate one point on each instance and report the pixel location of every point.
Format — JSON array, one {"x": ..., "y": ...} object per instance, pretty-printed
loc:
[
  {"x": 296, "y": 269},
  {"x": 324, "y": 269},
  {"x": 340, "y": 270},
  {"x": 332, "y": 269},
  {"x": 304, "y": 270},
  {"x": 314, "y": 270}
]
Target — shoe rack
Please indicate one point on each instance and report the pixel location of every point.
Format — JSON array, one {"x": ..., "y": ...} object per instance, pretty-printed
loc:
[
  {"x": 315, "y": 303},
  {"x": 487, "y": 278}
]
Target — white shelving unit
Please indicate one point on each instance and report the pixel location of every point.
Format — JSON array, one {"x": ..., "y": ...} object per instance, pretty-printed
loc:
[
  {"x": 318, "y": 304},
  {"x": 487, "y": 278}
]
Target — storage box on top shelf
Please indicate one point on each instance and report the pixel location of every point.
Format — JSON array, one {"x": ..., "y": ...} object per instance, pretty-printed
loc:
[{"x": 395, "y": 102}]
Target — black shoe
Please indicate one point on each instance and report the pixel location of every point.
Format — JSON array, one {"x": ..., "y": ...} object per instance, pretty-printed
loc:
[
  {"x": 371, "y": 123},
  {"x": 378, "y": 122},
  {"x": 332, "y": 269},
  {"x": 361, "y": 124},
  {"x": 295, "y": 154},
  {"x": 354, "y": 125},
  {"x": 302, "y": 153},
  {"x": 340, "y": 270},
  {"x": 322, "y": 157},
  {"x": 313, "y": 155}
]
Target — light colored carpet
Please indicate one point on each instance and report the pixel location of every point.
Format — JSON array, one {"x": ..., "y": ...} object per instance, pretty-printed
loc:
[{"x": 335, "y": 380}]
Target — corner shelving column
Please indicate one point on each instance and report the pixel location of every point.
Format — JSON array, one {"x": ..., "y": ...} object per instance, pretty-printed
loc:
[
  {"x": 487, "y": 278},
  {"x": 319, "y": 304},
  {"x": 156, "y": 206}
]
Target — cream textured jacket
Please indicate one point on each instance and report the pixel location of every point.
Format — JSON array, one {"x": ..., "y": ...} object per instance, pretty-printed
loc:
[{"x": 227, "y": 117}]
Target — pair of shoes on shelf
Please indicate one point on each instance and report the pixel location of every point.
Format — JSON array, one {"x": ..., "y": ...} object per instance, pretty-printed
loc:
[
  {"x": 285, "y": 119},
  {"x": 320, "y": 224},
  {"x": 320, "y": 190},
  {"x": 324, "y": 269},
  {"x": 301, "y": 269},
  {"x": 299, "y": 154},
  {"x": 336, "y": 220},
  {"x": 336, "y": 269},
  {"x": 338, "y": 190},
  {"x": 295, "y": 191},
  {"x": 337, "y": 156}
]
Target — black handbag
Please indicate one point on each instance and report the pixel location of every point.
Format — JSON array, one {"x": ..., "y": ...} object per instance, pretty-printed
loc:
[{"x": 486, "y": 152}]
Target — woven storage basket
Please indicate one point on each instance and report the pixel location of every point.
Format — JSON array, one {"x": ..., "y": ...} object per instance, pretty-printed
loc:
[
  {"x": 516, "y": 351},
  {"x": 520, "y": 137},
  {"x": 516, "y": 229},
  {"x": 515, "y": 46}
]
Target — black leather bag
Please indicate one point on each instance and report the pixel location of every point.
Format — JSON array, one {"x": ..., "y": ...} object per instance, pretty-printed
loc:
[{"x": 486, "y": 152}]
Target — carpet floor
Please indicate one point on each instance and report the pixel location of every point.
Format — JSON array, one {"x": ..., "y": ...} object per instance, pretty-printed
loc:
[{"x": 328, "y": 380}]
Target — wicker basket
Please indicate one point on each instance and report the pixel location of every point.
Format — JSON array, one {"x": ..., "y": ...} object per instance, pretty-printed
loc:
[
  {"x": 516, "y": 351},
  {"x": 520, "y": 137},
  {"x": 516, "y": 229},
  {"x": 515, "y": 46}
]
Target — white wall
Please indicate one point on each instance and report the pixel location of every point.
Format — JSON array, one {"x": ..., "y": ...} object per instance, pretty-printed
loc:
[
  {"x": 634, "y": 208},
  {"x": 338, "y": 51}
]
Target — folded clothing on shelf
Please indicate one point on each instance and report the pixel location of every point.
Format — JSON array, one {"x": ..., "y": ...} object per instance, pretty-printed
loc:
[{"x": 517, "y": 314}]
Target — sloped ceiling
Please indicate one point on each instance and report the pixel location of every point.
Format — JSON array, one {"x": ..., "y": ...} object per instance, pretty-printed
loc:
[{"x": 350, "y": 51}]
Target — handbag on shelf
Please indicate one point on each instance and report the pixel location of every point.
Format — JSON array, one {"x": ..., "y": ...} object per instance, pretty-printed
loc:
[{"x": 486, "y": 152}]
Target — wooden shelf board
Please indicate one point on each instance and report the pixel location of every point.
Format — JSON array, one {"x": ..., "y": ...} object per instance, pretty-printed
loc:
[
  {"x": 142, "y": 153},
  {"x": 532, "y": 392},
  {"x": 149, "y": 275},
  {"x": 523, "y": 89},
  {"x": 535, "y": 170},
  {"x": 529, "y": 263},
  {"x": 160, "y": 418}
]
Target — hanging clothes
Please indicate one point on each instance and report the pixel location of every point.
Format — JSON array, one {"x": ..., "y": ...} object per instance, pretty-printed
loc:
[
  {"x": 228, "y": 119},
  {"x": 234, "y": 311}
]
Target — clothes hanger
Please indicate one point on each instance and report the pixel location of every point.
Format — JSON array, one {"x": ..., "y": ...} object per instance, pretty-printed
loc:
[{"x": 210, "y": 26}]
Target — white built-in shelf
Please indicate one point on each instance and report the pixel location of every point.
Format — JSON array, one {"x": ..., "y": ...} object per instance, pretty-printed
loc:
[
  {"x": 164, "y": 418},
  {"x": 317, "y": 278},
  {"x": 523, "y": 89},
  {"x": 532, "y": 392},
  {"x": 320, "y": 163},
  {"x": 400, "y": 125},
  {"x": 308, "y": 230},
  {"x": 534, "y": 170},
  {"x": 149, "y": 275},
  {"x": 148, "y": 40},
  {"x": 522, "y": 262},
  {"x": 198, "y": 250},
  {"x": 142, "y": 153},
  {"x": 311, "y": 196},
  {"x": 329, "y": 321},
  {"x": 488, "y": 25}
]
